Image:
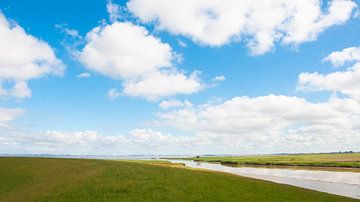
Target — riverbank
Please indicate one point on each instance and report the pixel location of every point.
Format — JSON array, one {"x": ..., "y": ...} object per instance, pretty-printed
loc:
[
  {"x": 333, "y": 182},
  {"x": 46, "y": 179},
  {"x": 345, "y": 160}
]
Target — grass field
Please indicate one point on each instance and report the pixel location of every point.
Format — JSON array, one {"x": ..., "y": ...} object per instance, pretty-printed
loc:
[
  {"x": 351, "y": 160},
  {"x": 42, "y": 179}
]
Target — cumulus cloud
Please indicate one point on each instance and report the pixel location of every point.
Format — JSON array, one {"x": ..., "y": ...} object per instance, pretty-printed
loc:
[
  {"x": 113, "y": 11},
  {"x": 113, "y": 93},
  {"x": 84, "y": 75},
  {"x": 7, "y": 115},
  {"x": 339, "y": 58},
  {"x": 270, "y": 122},
  {"x": 218, "y": 78},
  {"x": 59, "y": 142},
  {"x": 260, "y": 23},
  {"x": 167, "y": 104},
  {"x": 163, "y": 84},
  {"x": 181, "y": 43},
  {"x": 128, "y": 52},
  {"x": 138, "y": 141},
  {"x": 124, "y": 50},
  {"x": 69, "y": 32},
  {"x": 266, "y": 124},
  {"x": 344, "y": 81},
  {"x": 23, "y": 57}
]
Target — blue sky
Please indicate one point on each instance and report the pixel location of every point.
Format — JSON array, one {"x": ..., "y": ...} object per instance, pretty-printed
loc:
[{"x": 68, "y": 114}]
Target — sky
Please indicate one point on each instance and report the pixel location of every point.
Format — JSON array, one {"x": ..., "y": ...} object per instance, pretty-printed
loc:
[{"x": 179, "y": 77}]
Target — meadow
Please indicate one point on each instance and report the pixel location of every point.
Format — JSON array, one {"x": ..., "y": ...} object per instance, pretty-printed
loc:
[
  {"x": 348, "y": 160},
  {"x": 51, "y": 179}
]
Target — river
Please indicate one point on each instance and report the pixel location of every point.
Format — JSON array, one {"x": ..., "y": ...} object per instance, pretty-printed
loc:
[{"x": 334, "y": 182}]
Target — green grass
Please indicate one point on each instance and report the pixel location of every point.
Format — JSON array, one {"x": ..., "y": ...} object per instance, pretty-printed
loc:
[
  {"x": 350, "y": 160},
  {"x": 41, "y": 179}
]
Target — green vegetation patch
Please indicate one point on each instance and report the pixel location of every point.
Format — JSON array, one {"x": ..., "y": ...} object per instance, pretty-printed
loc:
[
  {"x": 348, "y": 160},
  {"x": 41, "y": 179}
]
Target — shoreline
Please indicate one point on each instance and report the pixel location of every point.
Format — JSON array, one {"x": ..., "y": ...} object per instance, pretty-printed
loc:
[{"x": 317, "y": 180}]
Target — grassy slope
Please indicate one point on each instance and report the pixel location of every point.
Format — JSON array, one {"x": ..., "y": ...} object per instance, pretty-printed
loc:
[
  {"x": 324, "y": 160},
  {"x": 36, "y": 179}
]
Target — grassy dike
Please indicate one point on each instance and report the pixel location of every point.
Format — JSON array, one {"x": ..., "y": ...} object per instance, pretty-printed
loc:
[
  {"x": 345, "y": 160},
  {"x": 47, "y": 179}
]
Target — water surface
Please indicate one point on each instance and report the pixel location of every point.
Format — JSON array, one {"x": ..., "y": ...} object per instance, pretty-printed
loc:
[{"x": 334, "y": 182}]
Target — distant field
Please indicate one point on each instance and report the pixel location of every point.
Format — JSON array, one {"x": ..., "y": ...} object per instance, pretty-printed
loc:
[
  {"x": 351, "y": 160},
  {"x": 41, "y": 179}
]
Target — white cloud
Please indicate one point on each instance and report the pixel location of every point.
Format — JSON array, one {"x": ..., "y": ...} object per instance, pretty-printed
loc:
[
  {"x": 84, "y": 75},
  {"x": 339, "y": 58},
  {"x": 23, "y": 57},
  {"x": 265, "y": 124},
  {"x": 270, "y": 124},
  {"x": 60, "y": 142},
  {"x": 357, "y": 13},
  {"x": 138, "y": 141},
  {"x": 113, "y": 93},
  {"x": 124, "y": 50},
  {"x": 181, "y": 43},
  {"x": 128, "y": 52},
  {"x": 113, "y": 11},
  {"x": 7, "y": 115},
  {"x": 148, "y": 137},
  {"x": 70, "y": 32},
  {"x": 19, "y": 89},
  {"x": 72, "y": 39},
  {"x": 167, "y": 104},
  {"x": 260, "y": 23},
  {"x": 163, "y": 84},
  {"x": 346, "y": 82},
  {"x": 218, "y": 78}
]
